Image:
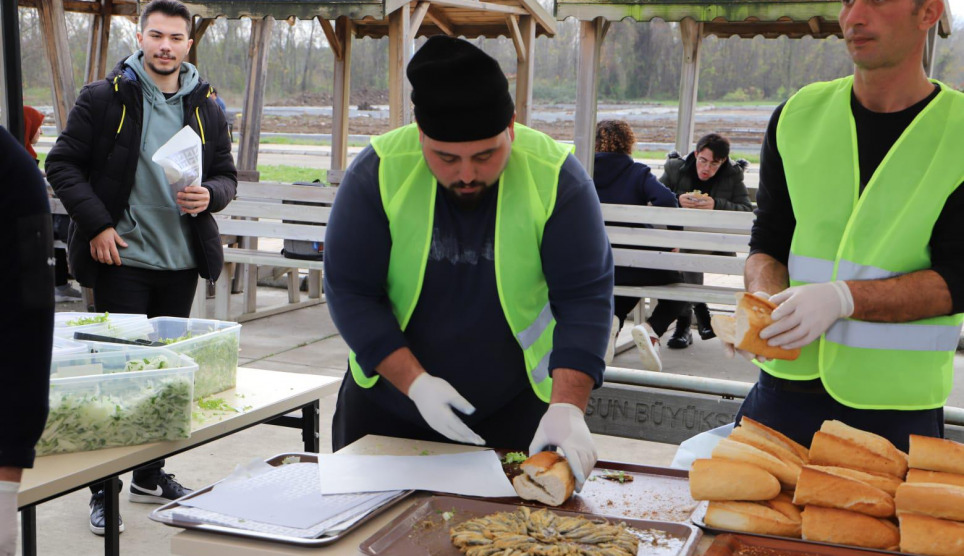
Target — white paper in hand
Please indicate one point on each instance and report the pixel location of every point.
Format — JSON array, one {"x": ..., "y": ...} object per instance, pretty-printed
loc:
[{"x": 180, "y": 158}]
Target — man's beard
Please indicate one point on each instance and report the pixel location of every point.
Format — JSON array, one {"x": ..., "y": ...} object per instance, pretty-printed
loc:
[
  {"x": 466, "y": 201},
  {"x": 159, "y": 71}
]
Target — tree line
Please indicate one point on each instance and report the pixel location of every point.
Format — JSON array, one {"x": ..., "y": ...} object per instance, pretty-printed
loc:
[{"x": 640, "y": 61}]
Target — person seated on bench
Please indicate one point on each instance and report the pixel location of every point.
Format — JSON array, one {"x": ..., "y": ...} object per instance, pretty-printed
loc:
[
  {"x": 621, "y": 180},
  {"x": 706, "y": 179}
]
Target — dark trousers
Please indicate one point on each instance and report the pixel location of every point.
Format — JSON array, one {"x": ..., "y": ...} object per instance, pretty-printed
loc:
[
  {"x": 511, "y": 427},
  {"x": 797, "y": 408},
  {"x": 155, "y": 293},
  {"x": 60, "y": 267},
  {"x": 666, "y": 310}
]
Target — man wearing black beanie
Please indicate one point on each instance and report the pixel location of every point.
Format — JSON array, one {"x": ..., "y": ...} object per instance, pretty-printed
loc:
[{"x": 467, "y": 265}]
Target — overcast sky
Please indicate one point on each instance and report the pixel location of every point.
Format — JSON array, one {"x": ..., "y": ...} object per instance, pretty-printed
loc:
[{"x": 957, "y": 10}]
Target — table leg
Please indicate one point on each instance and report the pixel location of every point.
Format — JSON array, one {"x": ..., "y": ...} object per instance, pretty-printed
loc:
[
  {"x": 111, "y": 514},
  {"x": 309, "y": 427},
  {"x": 28, "y": 531}
]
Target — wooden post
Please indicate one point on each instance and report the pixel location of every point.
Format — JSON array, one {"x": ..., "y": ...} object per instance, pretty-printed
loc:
[
  {"x": 198, "y": 27},
  {"x": 341, "y": 89},
  {"x": 251, "y": 134},
  {"x": 591, "y": 35},
  {"x": 525, "y": 70},
  {"x": 254, "y": 95},
  {"x": 97, "y": 41},
  {"x": 12, "y": 101},
  {"x": 54, "y": 26},
  {"x": 929, "y": 49},
  {"x": 399, "y": 53},
  {"x": 692, "y": 33}
]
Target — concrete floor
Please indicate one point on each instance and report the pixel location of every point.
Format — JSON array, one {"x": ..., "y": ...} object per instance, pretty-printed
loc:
[{"x": 305, "y": 341}]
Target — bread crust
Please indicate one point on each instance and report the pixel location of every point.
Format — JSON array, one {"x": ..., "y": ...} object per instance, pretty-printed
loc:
[
  {"x": 820, "y": 488},
  {"x": 851, "y": 528},
  {"x": 936, "y": 454},
  {"x": 886, "y": 483},
  {"x": 786, "y": 472},
  {"x": 750, "y": 517},
  {"x": 929, "y": 536},
  {"x": 840, "y": 445},
  {"x": 753, "y": 314},
  {"x": 719, "y": 479},
  {"x": 799, "y": 453},
  {"x": 546, "y": 477},
  {"x": 925, "y": 476},
  {"x": 933, "y": 499}
]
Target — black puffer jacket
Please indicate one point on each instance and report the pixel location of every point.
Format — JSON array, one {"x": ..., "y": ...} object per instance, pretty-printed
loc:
[
  {"x": 726, "y": 187},
  {"x": 92, "y": 166}
]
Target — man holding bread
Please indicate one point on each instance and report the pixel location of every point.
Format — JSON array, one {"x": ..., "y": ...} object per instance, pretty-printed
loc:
[
  {"x": 859, "y": 212},
  {"x": 468, "y": 269}
]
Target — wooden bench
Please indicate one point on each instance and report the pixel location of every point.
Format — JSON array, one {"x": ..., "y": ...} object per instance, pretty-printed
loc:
[
  {"x": 717, "y": 234},
  {"x": 264, "y": 210}
]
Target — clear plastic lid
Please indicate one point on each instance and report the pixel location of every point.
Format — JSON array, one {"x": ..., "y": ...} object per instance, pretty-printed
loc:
[{"x": 62, "y": 347}]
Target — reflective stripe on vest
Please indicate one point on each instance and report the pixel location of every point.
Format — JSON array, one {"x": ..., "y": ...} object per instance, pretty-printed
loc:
[
  {"x": 526, "y": 197},
  {"x": 842, "y": 234}
]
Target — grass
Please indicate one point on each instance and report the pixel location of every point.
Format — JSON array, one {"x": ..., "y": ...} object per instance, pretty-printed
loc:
[
  {"x": 290, "y": 174},
  {"x": 754, "y": 158},
  {"x": 276, "y": 173}
]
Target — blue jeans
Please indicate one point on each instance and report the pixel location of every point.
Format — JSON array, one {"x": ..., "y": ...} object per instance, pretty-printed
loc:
[{"x": 797, "y": 408}]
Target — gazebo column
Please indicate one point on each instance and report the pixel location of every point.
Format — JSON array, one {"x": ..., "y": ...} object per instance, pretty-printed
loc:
[
  {"x": 54, "y": 26},
  {"x": 523, "y": 31},
  {"x": 591, "y": 35},
  {"x": 10, "y": 76},
  {"x": 929, "y": 50},
  {"x": 399, "y": 53},
  {"x": 198, "y": 28},
  {"x": 97, "y": 40},
  {"x": 692, "y": 33},
  {"x": 251, "y": 133}
]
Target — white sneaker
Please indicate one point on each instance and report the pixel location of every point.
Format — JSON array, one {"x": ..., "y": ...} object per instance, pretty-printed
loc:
[
  {"x": 611, "y": 348},
  {"x": 648, "y": 344}
]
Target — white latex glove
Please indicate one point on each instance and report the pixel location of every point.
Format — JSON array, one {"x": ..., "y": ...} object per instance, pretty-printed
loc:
[
  {"x": 435, "y": 399},
  {"x": 804, "y": 313},
  {"x": 8, "y": 517},
  {"x": 564, "y": 426},
  {"x": 730, "y": 350}
]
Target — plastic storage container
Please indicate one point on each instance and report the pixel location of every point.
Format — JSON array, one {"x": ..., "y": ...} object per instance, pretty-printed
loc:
[
  {"x": 63, "y": 346},
  {"x": 212, "y": 344},
  {"x": 122, "y": 398},
  {"x": 104, "y": 326}
]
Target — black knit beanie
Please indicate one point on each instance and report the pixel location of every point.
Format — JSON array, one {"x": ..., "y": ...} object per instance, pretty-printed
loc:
[{"x": 459, "y": 92}]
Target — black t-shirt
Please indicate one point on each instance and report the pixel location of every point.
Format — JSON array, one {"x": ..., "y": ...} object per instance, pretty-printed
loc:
[{"x": 876, "y": 133}]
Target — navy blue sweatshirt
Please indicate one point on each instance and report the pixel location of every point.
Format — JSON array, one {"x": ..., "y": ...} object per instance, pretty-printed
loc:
[
  {"x": 27, "y": 292},
  {"x": 458, "y": 330},
  {"x": 621, "y": 180}
]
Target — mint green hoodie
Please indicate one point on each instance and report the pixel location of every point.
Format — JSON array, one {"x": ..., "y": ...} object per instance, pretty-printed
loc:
[{"x": 158, "y": 235}]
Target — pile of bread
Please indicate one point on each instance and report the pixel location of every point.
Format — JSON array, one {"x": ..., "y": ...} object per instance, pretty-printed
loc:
[{"x": 848, "y": 488}]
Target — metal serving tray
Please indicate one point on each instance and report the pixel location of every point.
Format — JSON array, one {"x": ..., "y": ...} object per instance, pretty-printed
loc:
[
  {"x": 423, "y": 529},
  {"x": 157, "y": 515}
]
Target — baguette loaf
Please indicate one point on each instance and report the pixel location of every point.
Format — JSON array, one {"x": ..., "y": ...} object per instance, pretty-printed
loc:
[
  {"x": 759, "y": 429},
  {"x": 783, "y": 503},
  {"x": 743, "y": 331},
  {"x": 935, "y": 500},
  {"x": 837, "y": 444},
  {"x": 750, "y": 517},
  {"x": 546, "y": 477},
  {"x": 886, "y": 483},
  {"x": 924, "y": 476},
  {"x": 851, "y": 528},
  {"x": 785, "y": 472},
  {"x": 720, "y": 479},
  {"x": 929, "y": 536},
  {"x": 820, "y": 488},
  {"x": 936, "y": 454}
]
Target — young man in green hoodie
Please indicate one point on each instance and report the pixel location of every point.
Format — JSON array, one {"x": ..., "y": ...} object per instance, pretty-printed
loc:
[{"x": 138, "y": 244}]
